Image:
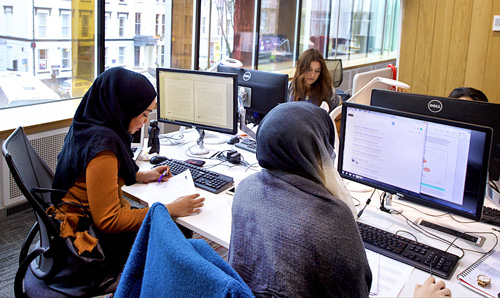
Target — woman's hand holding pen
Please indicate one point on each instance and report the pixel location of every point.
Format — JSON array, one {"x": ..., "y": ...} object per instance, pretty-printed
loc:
[{"x": 158, "y": 174}]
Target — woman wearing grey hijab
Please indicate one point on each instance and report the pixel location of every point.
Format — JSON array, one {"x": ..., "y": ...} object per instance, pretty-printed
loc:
[{"x": 292, "y": 235}]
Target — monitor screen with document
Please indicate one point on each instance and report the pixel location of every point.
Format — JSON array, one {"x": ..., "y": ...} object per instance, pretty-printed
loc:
[
  {"x": 199, "y": 99},
  {"x": 435, "y": 162},
  {"x": 476, "y": 112}
]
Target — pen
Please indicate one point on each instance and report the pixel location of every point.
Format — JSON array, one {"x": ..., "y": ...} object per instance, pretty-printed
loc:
[{"x": 162, "y": 175}]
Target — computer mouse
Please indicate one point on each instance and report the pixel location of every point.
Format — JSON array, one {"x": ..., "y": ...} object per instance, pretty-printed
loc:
[
  {"x": 157, "y": 159},
  {"x": 233, "y": 140}
]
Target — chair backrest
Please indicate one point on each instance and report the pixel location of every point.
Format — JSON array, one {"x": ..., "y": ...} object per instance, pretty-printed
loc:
[
  {"x": 30, "y": 171},
  {"x": 335, "y": 67}
]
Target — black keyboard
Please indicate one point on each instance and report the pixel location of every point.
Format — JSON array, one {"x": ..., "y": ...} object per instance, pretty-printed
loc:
[
  {"x": 247, "y": 144},
  {"x": 408, "y": 251},
  {"x": 491, "y": 216},
  {"x": 204, "y": 179}
]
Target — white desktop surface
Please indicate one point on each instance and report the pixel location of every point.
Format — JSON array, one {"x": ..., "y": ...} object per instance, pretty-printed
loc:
[{"x": 214, "y": 222}]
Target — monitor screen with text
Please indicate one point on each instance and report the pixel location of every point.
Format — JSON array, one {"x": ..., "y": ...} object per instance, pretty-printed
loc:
[
  {"x": 204, "y": 100},
  {"x": 439, "y": 163}
]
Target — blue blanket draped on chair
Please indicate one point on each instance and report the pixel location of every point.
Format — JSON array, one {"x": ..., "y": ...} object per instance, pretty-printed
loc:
[{"x": 163, "y": 263}]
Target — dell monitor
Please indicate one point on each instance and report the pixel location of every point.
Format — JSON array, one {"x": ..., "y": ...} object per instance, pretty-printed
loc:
[
  {"x": 262, "y": 90},
  {"x": 436, "y": 162},
  {"x": 475, "y": 112},
  {"x": 198, "y": 99}
]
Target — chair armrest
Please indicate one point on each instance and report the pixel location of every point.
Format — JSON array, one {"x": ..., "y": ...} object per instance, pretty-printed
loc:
[
  {"x": 27, "y": 242},
  {"x": 21, "y": 271}
]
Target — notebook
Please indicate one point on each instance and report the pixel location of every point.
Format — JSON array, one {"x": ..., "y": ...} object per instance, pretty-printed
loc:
[
  {"x": 138, "y": 142},
  {"x": 488, "y": 265}
]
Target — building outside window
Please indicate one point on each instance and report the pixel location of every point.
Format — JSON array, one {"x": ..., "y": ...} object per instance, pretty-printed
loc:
[
  {"x": 121, "y": 26},
  {"x": 66, "y": 58},
  {"x": 138, "y": 23},
  {"x": 157, "y": 24},
  {"x": 85, "y": 26},
  {"x": 42, "y": 24},
  {"x": 66, "y": 25},
  {"x": 121, "y": 55},
  {"x": 346, "y": 29},
  {"x": 137, "y": 56},
  {"x": 42, "y": 59}
]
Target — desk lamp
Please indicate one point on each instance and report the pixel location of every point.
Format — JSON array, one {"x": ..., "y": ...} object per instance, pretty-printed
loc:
[{"x": 363, "y": 96}]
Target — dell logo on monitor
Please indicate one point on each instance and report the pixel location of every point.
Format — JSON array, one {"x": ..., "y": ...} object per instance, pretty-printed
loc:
[
  {"x": 435, "y": 106},
  {"x": 246, "y": 76}
]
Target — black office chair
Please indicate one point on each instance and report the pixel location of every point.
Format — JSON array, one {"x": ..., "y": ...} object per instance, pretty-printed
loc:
[{"x": 47, "y": 259}]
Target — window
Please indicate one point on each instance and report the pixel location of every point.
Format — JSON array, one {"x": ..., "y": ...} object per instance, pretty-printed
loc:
[
  {"x": 157, "y": 24},
  {"x": 66, "y": 24},
  {"x": 106, "y": 63},
  {"x": 121, "y": 55},
  {"x": 137, "y": 56},
  {"x": 138, "y": 23},
  {"x": 162, "y": 25},
  {"x": 347, "y": 29},
  {"x": 42, "y": 24},
  {"x": 85, "y": 25},
  {"x": 42, "y": 59},
  {"x": 66, "y": 58},
  {"x": 121, "y": 26},
  {"x": 107, "y": 17}
]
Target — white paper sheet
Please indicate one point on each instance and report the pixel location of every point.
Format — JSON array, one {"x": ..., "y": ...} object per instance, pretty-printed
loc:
[
  {"x": 392, "y": 276},
  {"x": 373, "y": 261},
  {"x": 166, "y": 192}
]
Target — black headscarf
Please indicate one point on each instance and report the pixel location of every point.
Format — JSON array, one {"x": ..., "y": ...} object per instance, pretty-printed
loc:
[
  {"x": 101, "y": 124},
  {"x": 296, "y": 137}
]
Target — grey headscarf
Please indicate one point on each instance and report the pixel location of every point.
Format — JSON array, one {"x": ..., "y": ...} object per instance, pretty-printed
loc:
[{"x": 306, "y": 149}]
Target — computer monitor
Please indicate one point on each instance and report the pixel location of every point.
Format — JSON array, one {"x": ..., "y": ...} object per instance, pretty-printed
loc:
[
  {"x": 436, "y": 162},
  {"x": 199, "y": 99},
  {"x": 475, "y": 112},
  {"x": 263, "y": 90}
]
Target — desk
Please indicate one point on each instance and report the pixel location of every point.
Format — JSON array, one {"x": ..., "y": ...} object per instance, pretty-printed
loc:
[{"x": 214, "y": 222}]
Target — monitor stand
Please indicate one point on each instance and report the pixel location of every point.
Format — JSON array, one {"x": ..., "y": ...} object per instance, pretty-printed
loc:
[
  {"x": 200, "y": 149},
  {"x": 177, "y": 139},
  {"x": 213, "y": 138}
]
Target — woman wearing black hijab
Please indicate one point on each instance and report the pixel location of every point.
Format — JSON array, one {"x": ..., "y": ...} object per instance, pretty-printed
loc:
[{"x": 96, "y": 161}]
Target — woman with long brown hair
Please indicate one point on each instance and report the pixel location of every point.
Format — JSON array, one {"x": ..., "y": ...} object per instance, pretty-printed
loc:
[{"x": 312, "y": 81}]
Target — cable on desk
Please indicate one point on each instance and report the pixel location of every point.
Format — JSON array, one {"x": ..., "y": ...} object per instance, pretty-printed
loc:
[
  {"x": 366, "y": 204},
  {"x": 429, "y": 234},
  {"x": 493, "y": 185}
]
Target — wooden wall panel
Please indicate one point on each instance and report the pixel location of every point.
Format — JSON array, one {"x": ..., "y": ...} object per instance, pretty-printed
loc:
[
  {"x": 407, "y": 43},
  {"x": 440, "y": 46},
  {"x": 423, "y": 46},
  {"x": 458, "y": 49},
  {"x": 479, "y": 36},
  {"x": 450, "y": 43},
  {"x": 491, "y": 83}
]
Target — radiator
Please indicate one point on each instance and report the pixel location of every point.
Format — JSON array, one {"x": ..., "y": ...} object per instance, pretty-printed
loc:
[{"x": 47, "y": 144}]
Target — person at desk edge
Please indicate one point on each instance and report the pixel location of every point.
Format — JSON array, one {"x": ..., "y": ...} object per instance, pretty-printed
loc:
[
  {"x": 292, "y": 233},
  {"x": 468, "y": 93},
  {"x": 96, "y": 160},
  {"x": 293, "y": 230},
  {"x": 312, "y": 81}
]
